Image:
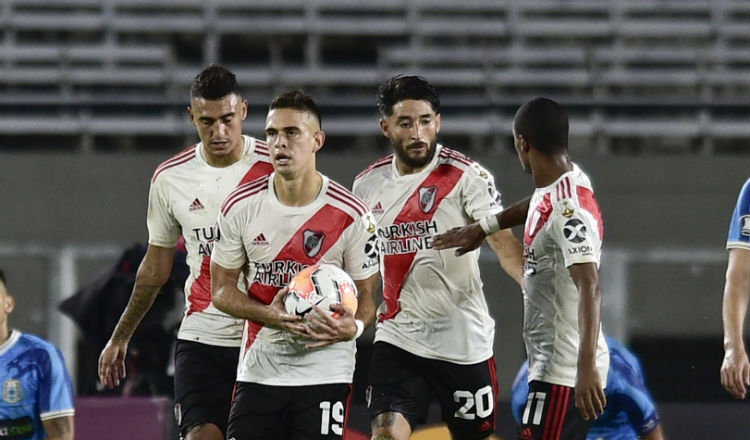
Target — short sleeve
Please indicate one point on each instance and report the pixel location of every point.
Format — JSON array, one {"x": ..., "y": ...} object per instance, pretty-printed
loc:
[
  {"x": 481, "y": 198},
  {"x": 362, "y": 251},
  {"x": 163, "y": 228},
  {"x": 228, "y": 251},
  {"x": 739, "y": 226},
  {"x": 575, "y": 232},
  {"x": 55, "y": 387}
]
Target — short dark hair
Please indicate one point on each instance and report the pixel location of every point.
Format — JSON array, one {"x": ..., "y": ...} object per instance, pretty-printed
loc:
[
  {"x": 400, "y": 88},
  {"x": 214, "y": 82},
  {"x": 2, "y": 277},
  {"x": 544, "y": 123},
  {"x": 297, "y": 100}
]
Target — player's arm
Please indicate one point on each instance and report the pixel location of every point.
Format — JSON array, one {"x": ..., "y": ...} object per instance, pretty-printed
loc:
[
  {"x": 152, "y": 274},
  {"x": 656, "y": 434},
  {"x": 469, "y": 237},
  {"x": 229, "y": 299},
  {"x": 589, "y": 392},
  {"x": 735, "y": 369},
  {"x": 510, "y": 253},
  {"x": 59, "y": 428}
]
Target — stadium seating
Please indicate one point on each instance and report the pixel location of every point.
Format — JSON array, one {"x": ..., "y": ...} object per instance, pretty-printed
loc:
[{"x": 684, "y": 63}]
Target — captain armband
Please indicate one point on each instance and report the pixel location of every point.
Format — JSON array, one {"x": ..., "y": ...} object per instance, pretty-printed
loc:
[{"x": 489, "y": 224}]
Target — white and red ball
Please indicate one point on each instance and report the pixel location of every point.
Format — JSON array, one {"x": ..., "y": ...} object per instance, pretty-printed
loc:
[{"x": 321, "y": 285}]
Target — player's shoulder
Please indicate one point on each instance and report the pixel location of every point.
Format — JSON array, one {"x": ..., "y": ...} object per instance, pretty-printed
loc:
[
  {"x": 29, "y": 342},
  {"x": 257, "y": 151},
  {"x": 379, "y": 167},
  {"x": 244, "y": 193},
  {"x": 345, "y": 199},
  {"x": 472, "y": 168},
  {"x": 572, "y": 190},
  {"x": 180, "y": 159}
]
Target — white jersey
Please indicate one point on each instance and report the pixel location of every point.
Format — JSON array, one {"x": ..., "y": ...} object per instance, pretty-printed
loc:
[
  {"x": 434, "y": 306},
  {"x": 563, "y": 227},
  {"x": 185, "y": 196},
  {"x": 274, "y": 242}
]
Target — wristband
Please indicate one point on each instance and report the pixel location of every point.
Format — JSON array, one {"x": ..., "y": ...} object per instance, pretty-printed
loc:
[
  {"x": 489, "y": 224},
  {"x": 360, "y": 328}
]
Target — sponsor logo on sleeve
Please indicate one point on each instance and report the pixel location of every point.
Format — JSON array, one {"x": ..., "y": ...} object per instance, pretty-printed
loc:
[
  {"x": 745, "y": 225},
  {"x": 574, "y": 230}
]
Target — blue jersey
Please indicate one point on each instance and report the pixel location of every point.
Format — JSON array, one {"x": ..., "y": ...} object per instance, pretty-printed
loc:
[
  {"x": 630, "y": 410},
  {"x": 739, "y": 228},
  {"x": 36, "y": 386}
]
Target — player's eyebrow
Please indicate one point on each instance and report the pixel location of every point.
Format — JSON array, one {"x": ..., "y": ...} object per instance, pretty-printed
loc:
[{"x": 207, "y": 118}]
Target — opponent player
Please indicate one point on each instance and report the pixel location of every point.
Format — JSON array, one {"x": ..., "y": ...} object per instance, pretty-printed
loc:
[
  {"x": 568, "y": 356},
  {"x": 630, "y": 413},
  {"x": 735, "y": 369},
  {"x": 185, "y": 195},
  {"x": 434, "y": 336},
  {"x": 289, "y": 386},
  {"x": 37, "y": 398}
]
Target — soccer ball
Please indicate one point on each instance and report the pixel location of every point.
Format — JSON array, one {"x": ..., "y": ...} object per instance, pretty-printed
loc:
[{"x": 320, "y": 285}]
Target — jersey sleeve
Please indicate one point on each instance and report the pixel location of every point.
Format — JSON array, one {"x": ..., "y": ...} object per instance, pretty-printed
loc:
[
  {"x": 362, "y": 251},
  {"x": 228, "y": 251},
  {"x": 163, "y": 228},
  {"x": 481, "y": 198},
  {"x": 739, "y": 227},
  {"x": 634, "y": 399},
  {"x": 575, "y": 231},
  {"x": 55, "y": 387}
]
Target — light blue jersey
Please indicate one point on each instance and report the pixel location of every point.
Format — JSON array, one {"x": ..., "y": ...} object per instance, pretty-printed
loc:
[
  {"x": 36, "y": 387},
  {"x": 630, "y": 410},
  {"x": 739, "y": 228}
]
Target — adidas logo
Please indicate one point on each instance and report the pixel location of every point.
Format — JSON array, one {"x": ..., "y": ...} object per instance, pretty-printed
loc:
[
  {"x": 378, "y": 209},
  {"x": 196, "y": 205},
  {"x": 260, "y": 240}
]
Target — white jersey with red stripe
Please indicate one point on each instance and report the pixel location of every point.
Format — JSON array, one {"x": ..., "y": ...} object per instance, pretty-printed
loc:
[
  {"x": 274, "y": 242},
  {"x": 185, "y": 196},
  {"x": 434, "y": 306},
  {"x": 563, "y": 227}
]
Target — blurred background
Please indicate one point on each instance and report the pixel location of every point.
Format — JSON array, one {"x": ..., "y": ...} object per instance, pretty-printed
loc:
[{"x": 93, "y": 96}]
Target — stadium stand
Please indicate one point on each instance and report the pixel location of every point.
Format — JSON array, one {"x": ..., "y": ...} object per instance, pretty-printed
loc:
[{"x": 675, "y": 72}]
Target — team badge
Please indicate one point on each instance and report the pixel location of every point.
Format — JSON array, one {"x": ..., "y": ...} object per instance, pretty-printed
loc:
[
  {"x": 312, "y": 242},
  {"x": 574, "y": 230},
  {"x": 12, "y": 391},
  {"x": 427, "y": 198},
  {"x": 745, "y": 225}
]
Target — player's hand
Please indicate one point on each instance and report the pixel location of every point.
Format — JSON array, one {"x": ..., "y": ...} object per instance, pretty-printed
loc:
[
  {"x": 326, "y": 329},
  {"x": 112, "y": 363},
  {"x": 465, "y": 238},
  {"x": 279, "y": 318},
  {"x": 735, "y": 372},
  {"x": 589, "y": 393}
]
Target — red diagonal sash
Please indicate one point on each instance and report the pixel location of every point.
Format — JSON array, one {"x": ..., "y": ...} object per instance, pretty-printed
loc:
[
  {"x": 258, "y": 170},
  {"x": 397, "y": 266},
  {"x": 330, "y": 221}
]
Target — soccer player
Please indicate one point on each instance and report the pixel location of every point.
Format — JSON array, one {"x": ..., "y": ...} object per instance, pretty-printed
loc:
[
  {"x": 37, "y": 398},
  {"x": 630, "y": 413},
  {"x": 294, "y": 377},
  {"x": 735, "y": 369},
  {"x": 568, "y": 356},
  {"x": 186, "y": 193},
  {"x": 434, "y": 336}
]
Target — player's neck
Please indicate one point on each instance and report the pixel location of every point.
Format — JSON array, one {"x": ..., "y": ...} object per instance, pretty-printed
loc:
[
  {"x": 4, "y": 333},
  {"x": 546, "y": 169},
  {"x": 299, "y": 191}
]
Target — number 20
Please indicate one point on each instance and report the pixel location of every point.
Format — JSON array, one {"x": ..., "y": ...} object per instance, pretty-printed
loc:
[{"x": 483, "y": 401}]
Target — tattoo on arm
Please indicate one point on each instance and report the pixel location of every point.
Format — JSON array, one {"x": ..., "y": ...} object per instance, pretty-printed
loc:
[
  {"x": 384, "y": 420},
  {"x": 140, "y": 302},
  {"x": 59, "y": 428}
]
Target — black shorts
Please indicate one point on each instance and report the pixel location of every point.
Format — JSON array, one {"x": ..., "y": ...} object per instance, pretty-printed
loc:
[
  {"x": 203, "y": 384},
  {"x": 265, "y": 412},
  {"x": 550, "y": 413},
  {"x": 404, "y": 383}
]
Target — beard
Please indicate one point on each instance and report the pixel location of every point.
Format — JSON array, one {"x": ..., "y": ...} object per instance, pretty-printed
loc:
[{"x": 402, "y": 153}]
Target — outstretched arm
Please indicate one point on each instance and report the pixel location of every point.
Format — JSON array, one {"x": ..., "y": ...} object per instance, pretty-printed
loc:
[
  {"x": 589, "y": 390},
  {"x": 735, "y": 369},
  {"x": 470, "y": 237},
  {"x": 152, "y": 274}
]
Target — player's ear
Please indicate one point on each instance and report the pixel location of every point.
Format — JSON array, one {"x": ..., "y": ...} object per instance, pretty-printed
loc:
[
  {"x": 384, "y": 127},
  {"x": 320, "y": 138},
  {"x": 437, "y": 123},
  {"x": 243, "y": 110},
  {"x": 190, "y": 114},
  {"x": 9, "y": 304}
]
